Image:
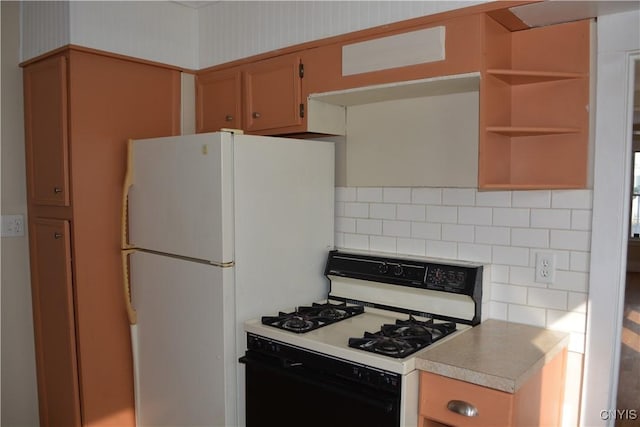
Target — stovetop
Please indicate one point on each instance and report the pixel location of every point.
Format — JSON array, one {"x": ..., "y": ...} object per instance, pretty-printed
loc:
[
  {"x": 308, "y": 318},
  {"x": 333, "y": 339}
]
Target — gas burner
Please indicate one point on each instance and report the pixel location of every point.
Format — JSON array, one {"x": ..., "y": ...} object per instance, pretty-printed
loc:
[
  {"x": 403, "y": 338},
  {"x": 308, "y": 318}
]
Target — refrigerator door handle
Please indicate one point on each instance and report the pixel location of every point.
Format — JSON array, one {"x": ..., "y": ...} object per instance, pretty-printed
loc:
[
  {"x": 131, "y": 313},
  {"x": 128, "y": 182}
]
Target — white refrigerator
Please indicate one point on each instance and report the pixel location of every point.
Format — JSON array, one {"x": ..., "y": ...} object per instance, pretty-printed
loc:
[{"x": 221, "y": 228}]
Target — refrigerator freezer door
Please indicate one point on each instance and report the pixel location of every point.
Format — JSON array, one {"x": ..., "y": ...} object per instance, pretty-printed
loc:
[
  {"x": 181, "y": 200},
  {"x": 183, "y": 343}
]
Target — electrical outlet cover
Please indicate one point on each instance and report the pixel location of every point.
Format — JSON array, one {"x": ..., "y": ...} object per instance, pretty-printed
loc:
[{"x": 545, "y": 267}]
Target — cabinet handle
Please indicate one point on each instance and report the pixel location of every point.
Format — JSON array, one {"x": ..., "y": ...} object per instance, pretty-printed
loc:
[
  {"x": 57, "y": 190},
  {"x": 228, "y": 118},
  {"x": 57, "y": 235},
  {"x": 256, "y": 115},
  {"x": 462, "y": 408}
]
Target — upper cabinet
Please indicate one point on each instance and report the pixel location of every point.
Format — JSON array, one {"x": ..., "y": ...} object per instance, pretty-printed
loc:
[
  {"x": 46, "y": 131},
  {"x": 260, "y": 97},
  {"x": 534, "y": 107},
  {"x": 218, "y": 99},
  {"x": 272, "y": 94}
]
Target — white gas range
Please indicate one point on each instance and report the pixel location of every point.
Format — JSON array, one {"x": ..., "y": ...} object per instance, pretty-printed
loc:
[{"x": 350, "y": 360}]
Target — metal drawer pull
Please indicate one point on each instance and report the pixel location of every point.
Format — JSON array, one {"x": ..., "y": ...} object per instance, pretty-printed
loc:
[
  {"x": 256, "y": 115},
  {"x": 228, "y": 118},
  {"x": 462, "y": 408},
  {"x": 57, "y": 236},
  {"x": 57, "y": 190}
]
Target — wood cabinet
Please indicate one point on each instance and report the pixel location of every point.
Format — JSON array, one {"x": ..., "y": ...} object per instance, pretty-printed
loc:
[
  {"x": 263, "y": 97},
  {"x": 447, "y": 402},
  {"x": 81, "y": 107},
  {"x": 219, "y": 100},
  {"x": 534, "y": 107}
]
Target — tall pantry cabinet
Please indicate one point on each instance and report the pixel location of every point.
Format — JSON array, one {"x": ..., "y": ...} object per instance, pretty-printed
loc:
[{"x": 81, "y": 107}]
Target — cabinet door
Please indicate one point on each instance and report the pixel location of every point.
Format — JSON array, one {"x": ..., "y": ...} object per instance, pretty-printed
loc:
[
  {"x": 218, "y": 100},
  {"x": 272, "y": 93},
  {"x": 54, "y": 324},
  {"x": 45, "y": 100}
]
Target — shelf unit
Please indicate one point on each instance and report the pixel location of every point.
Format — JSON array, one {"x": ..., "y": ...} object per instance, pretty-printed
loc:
[{"x": 534, "y": 114}]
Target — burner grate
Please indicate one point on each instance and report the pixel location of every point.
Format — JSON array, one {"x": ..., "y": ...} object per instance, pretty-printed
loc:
[{"x": 308, "y": 318}]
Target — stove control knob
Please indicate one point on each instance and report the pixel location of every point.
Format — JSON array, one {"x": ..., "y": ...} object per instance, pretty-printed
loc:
[
  {"x": 383, "y": 268},
  {"x": 398, "y": 270}
]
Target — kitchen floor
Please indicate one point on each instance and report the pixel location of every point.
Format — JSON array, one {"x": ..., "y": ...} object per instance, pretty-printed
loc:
[{"x": 629, "y": 379}]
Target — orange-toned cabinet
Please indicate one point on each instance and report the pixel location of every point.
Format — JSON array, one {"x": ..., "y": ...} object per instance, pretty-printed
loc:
[
  {"x": 448, "y": 402},
  {"x": 81, "y": 107},
  {"x": 534, "y": 107},
  {"x": 272, "y": 93},
  {"x": 219, "y": 100},
  {"x": 54, "y": 319},
  {"x": 262, "y": 97}
]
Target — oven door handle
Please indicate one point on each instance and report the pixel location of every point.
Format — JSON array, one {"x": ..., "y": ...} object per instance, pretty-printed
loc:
[{"x": 287, "y": 366}]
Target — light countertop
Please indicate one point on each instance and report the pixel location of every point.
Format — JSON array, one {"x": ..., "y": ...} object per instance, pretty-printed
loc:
[{"x": 495, "y": 354}]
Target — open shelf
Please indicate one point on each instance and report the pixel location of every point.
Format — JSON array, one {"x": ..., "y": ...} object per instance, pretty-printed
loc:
[
  {"x": 529, "y": 130},
  {"x": 517, "y": 77}
]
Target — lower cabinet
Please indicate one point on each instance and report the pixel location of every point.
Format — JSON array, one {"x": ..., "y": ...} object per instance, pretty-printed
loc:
[
  {"x": 448, "y": 402},
  {"x": 53, "y": 313}
]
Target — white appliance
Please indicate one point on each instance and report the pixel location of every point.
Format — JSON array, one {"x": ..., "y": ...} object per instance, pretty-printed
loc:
[
  {"x": 351, "y": 359},
  {"x": 221, "y": 227}
]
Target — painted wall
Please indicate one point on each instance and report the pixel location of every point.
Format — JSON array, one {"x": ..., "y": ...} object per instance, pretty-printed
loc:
[{"x": 19, "y": 396}]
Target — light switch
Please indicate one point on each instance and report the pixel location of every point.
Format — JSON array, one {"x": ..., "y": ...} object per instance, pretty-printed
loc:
[{"x": 12, "y": 225}]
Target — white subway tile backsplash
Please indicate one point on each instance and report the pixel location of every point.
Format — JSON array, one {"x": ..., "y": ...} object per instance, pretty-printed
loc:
[
  {"x": 457, "y": 233},
  {"x": 427, "y": 196},
  {"x": 577, "y": 302},
  {"x": 572, "y": 199},
  {"x": 443, "y": 214},
  {"x": 411, "y": 212},
  {"x": 474, "y": 252},
  {"x": 500, "y": 273},
  {"x": 509, "y": 293},
  {"x": 493, "y": 198},
  {"x": 571, "y": 281},
  {"x": 529, "y": 315},
  {"x": 356, "y": 210},
  {"x": 396, "y": 228},
  {"x": 411, "y": 246},
  {"x": 547, "y": 298},
  {"x": 551, "y": 218},
  {"x": 369, "y": 194},
  {"x": 528, "y": 237},
  {"x": 345, "y": 225},
  {"x": 382, "y": 244},
  {"x": 345, "y": 194},
  {"x": 570, "y": 240},
  {"x": 505, "y": 229},
  {"x": 511, "y": 217},
  {"x": 579, "y": 261},
  {"x": 498, "y": 310},
  {"x": 580, "y": 219},
  {"x": 493, "y": 235},
  {"x": 458, "y": 196},
  {"x": 426, "y": 230},
  {"x": 510, "y": 255},
  {"x": 566, "y": 321},
  {"x": 396, "y": 195},
  {"x": 531, "y": 199},
  {"x": 382, "y": 211},
  {"x": 439, "y": 249},
  {"x": 369, "y": 226},
  {"x": 476, "y": 216},
  {"x": 356, "y": 241}
]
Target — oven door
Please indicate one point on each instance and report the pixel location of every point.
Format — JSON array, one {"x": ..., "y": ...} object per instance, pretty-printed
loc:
[{"x": 287, "y": 393}]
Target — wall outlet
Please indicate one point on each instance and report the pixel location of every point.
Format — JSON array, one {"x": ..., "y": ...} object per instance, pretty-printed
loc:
[
  {"x": 12, "y": 225},
  {"x": 545, "y": 267}
]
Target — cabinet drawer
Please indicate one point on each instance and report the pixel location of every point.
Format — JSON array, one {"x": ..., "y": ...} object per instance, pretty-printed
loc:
[{"x": 494, "y": 408}]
